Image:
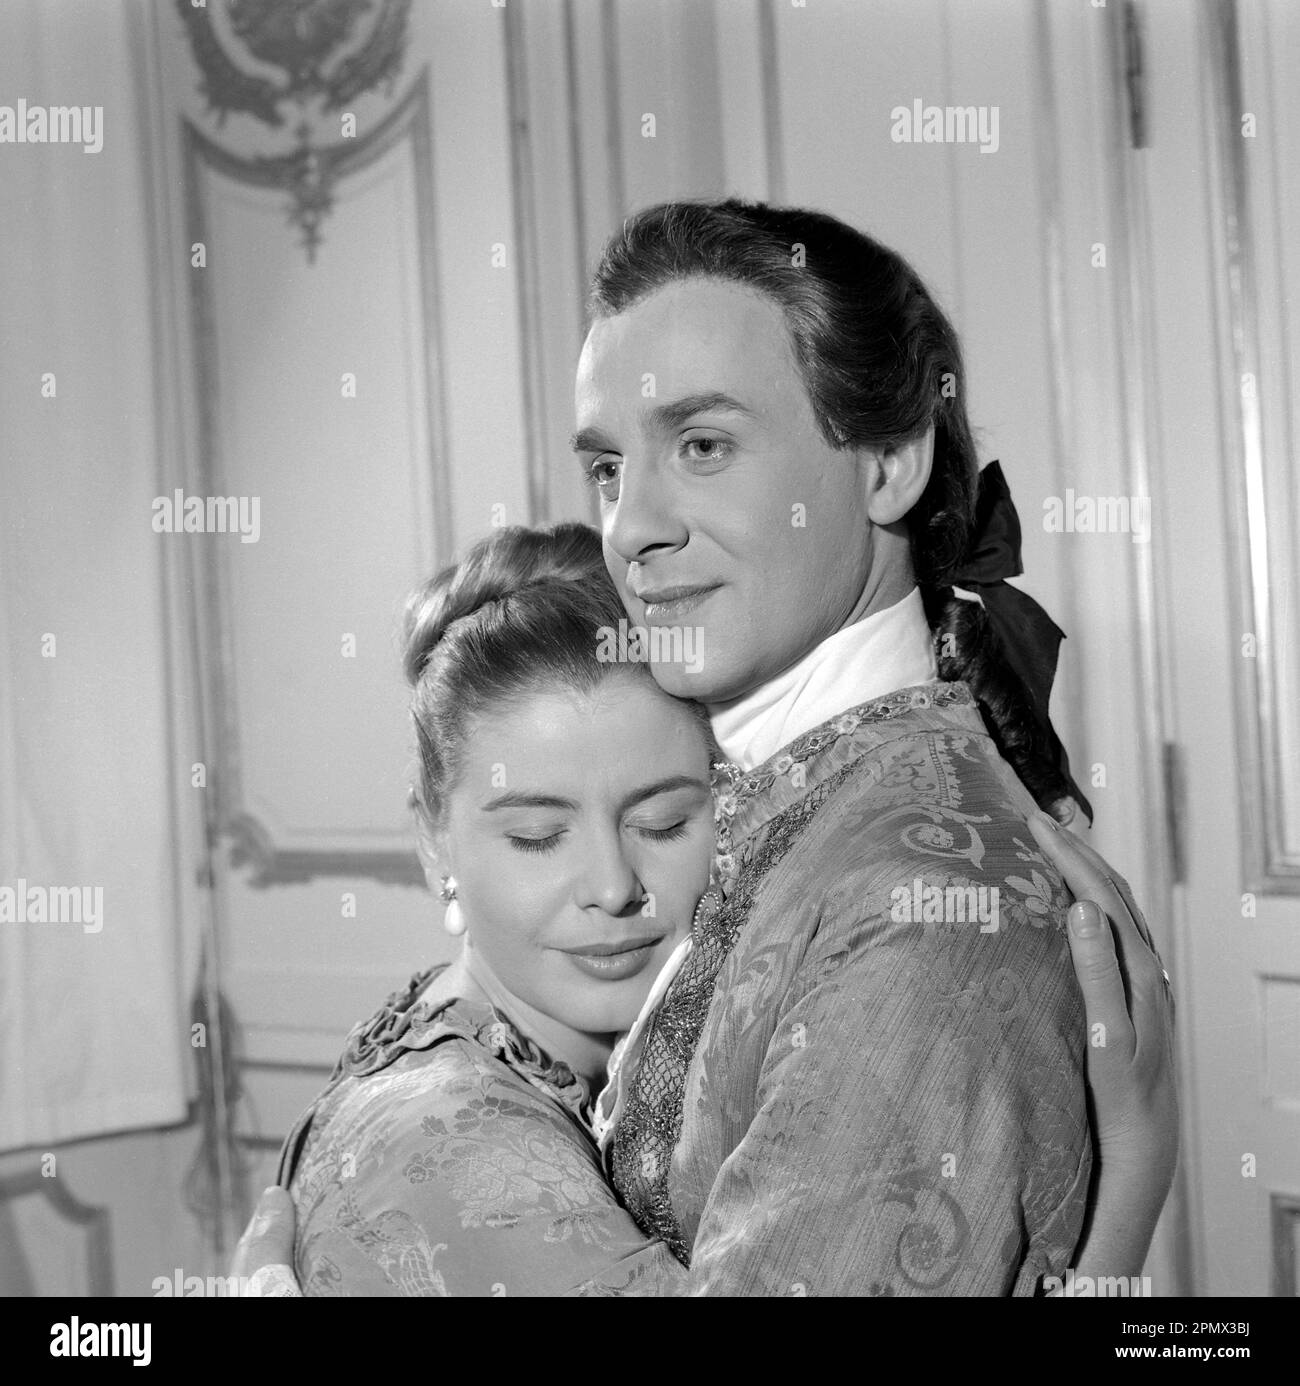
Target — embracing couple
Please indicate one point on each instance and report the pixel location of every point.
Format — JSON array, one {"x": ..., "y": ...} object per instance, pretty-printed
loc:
[{"x": 791, "y": 895}]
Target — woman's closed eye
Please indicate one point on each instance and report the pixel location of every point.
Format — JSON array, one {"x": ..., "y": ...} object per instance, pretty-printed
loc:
[
  {"x": 668, "y": 834},
  {"x": 540, "y": 843},
  {"x": 547, "y": 842}
]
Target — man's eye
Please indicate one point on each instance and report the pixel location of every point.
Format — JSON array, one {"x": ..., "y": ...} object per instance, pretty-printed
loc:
[
  {"x": 603, "y": 474},
  {"x": 705, "y": 449}
]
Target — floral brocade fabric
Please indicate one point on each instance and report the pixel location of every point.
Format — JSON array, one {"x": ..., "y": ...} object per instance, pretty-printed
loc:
[
  {"x": 450, "y": 1156},
  {"x": 867, "y": 1079}
]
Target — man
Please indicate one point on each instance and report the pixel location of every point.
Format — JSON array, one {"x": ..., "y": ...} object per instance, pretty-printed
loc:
[{"x": 867, "y": 1075}]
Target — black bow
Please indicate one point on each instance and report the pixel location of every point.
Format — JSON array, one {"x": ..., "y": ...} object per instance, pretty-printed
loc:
[{"x": 1029, "y": 637}]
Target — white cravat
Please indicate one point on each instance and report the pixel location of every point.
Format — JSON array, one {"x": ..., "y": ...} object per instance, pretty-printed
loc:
[{"x": 885, "y": 651}]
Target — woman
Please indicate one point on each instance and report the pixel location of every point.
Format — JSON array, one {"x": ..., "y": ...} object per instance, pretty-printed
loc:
[{"x": 569, "y": 799}]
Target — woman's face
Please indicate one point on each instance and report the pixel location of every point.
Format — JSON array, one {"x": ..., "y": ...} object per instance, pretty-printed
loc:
[
  {"x": 579, "y": 834},
  {"x": 722, "y": 506}
]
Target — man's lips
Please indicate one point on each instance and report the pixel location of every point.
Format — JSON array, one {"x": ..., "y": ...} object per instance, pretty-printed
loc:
[
  {"x": 609, "y": 950},
  {"x": 662, "y": 601}
]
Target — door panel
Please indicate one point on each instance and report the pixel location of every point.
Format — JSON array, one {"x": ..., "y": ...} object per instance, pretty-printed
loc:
[{"x": 1227, "y": 405}]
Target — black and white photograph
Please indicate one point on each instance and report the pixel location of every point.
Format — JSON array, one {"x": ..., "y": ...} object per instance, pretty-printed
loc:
[{"x": 649, "y": 648}]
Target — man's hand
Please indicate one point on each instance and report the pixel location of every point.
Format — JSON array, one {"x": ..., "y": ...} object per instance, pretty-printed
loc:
[{"x": 264, "y": 1257}]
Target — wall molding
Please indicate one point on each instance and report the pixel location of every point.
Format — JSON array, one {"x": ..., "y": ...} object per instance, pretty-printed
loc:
[
  {"x": 527, "y": 269},
  {"x": 93, "y": 1222},
  {"x": 1284, "y": 1228},
  {"x": 1271, "y": 858},
  {"x": 276, "y": 855}
]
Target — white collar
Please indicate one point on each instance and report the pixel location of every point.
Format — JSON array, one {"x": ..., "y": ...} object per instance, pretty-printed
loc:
[{"x": 887, "y": 650}]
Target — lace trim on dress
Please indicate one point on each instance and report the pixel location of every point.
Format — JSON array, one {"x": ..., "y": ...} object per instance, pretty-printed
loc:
[{"x": 403, "y": 1024}]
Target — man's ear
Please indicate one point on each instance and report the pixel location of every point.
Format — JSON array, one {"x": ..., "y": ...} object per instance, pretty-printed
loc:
[{"x": 902, "y": 474}]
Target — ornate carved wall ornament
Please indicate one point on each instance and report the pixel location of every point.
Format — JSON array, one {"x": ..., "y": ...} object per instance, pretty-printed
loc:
[{"x": 325, "y": 54}]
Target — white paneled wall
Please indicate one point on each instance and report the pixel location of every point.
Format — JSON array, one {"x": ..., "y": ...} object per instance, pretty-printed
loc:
[
  {"x": 472, "y": 199},
  {"x": 377, "y": 400}
]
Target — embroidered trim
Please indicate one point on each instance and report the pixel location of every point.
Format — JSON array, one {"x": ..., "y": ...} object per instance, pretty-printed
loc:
[
  {"x": 810, "y": 744},
  {"x": 648, "y": 1132}
]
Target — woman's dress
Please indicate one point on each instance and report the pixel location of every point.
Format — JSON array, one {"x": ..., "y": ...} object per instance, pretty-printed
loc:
[{"x": 449, "y": 1156}]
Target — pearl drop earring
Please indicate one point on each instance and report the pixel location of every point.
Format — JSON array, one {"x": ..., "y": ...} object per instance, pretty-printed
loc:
[{"x": 452, "y": 920}]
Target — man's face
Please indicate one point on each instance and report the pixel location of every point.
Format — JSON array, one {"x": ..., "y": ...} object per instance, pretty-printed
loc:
[{"x": 722, "y": 506}]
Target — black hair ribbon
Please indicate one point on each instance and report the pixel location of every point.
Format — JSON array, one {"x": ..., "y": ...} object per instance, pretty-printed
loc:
[{"x": 1030, "y": 639}]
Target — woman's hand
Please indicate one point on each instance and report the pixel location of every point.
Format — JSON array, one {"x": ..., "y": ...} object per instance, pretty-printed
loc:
[
  {"x": 264, "y": 1257},
  {"x": 1133, "y": 1100}
]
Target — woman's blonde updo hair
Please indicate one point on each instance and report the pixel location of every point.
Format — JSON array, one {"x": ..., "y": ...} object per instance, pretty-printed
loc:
[{"x": 523, "y": 610}]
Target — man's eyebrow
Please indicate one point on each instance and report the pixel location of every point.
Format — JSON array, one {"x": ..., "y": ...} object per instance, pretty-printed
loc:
[
  {"x": 674, "y": 413},
  {"x": 590, "y": 440},
  {"x": 665, "y": 417},
  {"x": 516, "y": 799}
]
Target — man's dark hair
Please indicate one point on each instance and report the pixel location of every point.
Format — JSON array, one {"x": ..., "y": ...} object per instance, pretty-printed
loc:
[{"x": 881, "y": 364}]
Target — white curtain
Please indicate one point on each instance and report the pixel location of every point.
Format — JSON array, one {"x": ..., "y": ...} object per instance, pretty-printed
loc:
[{"x": 94, "y": 1028}]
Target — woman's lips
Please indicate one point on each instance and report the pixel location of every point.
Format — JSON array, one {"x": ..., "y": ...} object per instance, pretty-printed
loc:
[{"x": 614, "y": 962}]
